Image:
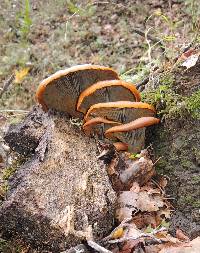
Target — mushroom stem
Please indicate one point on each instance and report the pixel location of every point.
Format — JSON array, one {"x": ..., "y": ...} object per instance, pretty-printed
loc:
[{"x": 133, "y": 125}]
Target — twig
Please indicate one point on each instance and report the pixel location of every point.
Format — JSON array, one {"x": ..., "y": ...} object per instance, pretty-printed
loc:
[
  {"x": 6, "y": 84},
  {"x": 97, "y": 247},
  {"x": 10, "y": 110},
  {"x": 142, "y": 235},
  {"x": 142, "y": 83},
  {"x": 149, "y": 37},
  {"x": 123, "y": 224}
]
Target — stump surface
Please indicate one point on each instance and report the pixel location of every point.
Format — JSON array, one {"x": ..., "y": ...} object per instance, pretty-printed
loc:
[{"x": 61, "y": 191}]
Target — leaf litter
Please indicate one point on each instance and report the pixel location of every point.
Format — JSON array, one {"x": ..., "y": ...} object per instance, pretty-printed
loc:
[{"x": 142, "y": 211}]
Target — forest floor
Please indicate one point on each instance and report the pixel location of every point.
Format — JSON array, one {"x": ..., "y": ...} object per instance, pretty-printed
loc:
[{"x": 37, "y": 38}]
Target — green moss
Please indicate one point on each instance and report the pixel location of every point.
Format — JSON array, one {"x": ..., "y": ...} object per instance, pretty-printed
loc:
[
  {"x": 193, "y": 104},
  {"x": 196, "y": 179},
  {"x": 3, "y": 245},
  {"x": 186, "y": 163},
  {"x": 7, "y": 246},
  {"x": 170, "y": 104},
  {"x": 196, "y": 204},
  {"x": 189, "y": 200},
  {"x": 8, "y": 172},
  {"x": 164, "y": 98}
]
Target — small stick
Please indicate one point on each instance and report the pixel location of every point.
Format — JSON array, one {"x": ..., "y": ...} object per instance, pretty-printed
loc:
[
  {"x": 6, "y": 84},
  {"x": 97, "y": 247},
  {"x": 123, "y": 224},
  {"x": 8, "y": 110},
  {"x": 150, "y": 37},
  {"x": 142, "y": 235}
]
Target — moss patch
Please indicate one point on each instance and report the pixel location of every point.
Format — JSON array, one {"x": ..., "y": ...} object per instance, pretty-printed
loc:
[
  {"x": 170, "y": 104},
  {"x": 193, "y": 104}
]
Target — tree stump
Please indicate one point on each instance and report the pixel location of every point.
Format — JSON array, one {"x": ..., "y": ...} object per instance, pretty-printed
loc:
[{"x": 61, "y": 194}]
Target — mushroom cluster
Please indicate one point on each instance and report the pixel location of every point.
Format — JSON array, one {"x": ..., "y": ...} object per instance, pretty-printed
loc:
[{"x": 98, "y": 96}]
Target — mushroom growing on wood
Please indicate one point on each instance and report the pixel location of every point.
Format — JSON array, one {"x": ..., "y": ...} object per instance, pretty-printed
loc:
[
  {"x": 61, "y": 90},
  {"x": 132, "y": 132},
  {"x": 117, "y": 90},
  {"x": 90, "y": 124},
  {"x": 109, "y": 104},
  {"x": 122, "y": 111}
]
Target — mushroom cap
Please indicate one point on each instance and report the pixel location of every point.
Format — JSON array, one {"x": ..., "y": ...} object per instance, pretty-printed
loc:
[
  {"x": 61, "y": 90},
  {"x": 121, "y": 146},
  {"x": 121, "y": 111},
  {"x": 94, "y": 125},
  {"x": 133, "y": 125},
  {"x": 108, "y": 91}
]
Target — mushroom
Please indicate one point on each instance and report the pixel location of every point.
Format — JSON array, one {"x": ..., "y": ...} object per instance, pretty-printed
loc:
[
  {"x": 132, "y": 133},
  {"x": 117, "y": 90},
  {"x": 92, "y": 123},
  {"x": 61, "y": 90},
  {"x": 121, "y": 111},
  {"x": 93, "y": 91}
]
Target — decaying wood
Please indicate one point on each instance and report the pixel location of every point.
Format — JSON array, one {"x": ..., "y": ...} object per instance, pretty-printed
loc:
[{"x": 61, "y": 195}]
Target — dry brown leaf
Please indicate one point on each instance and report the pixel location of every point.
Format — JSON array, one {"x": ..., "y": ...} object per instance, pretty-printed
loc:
[
  {"x": 124, "y": 213},
  {"x": 143, "y": 220},
  {"x": 191, "y": 247},
  {"x": 129, "y": 202},
  {"x": 181, "y": 236},
  {"x": 190, "y": 61},
  {"x": 140, "y": 171},
  {"x": 129, "y": 246},
  {"x": 135, "y": 187},
  {"x": 163, "y": 182},
  {"x": 164, "y": 213}
]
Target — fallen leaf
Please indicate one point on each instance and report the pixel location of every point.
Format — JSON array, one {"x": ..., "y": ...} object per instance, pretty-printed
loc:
[
  {"x": 135, "y": 187},
  {"x": 124, "y": 213},
  {"x": 164, "y": 213},
  {"x": 163, "y": 182},
  {"x": 181, "y": 236},
  {"x": 129, "y": 246},
  {"x": 190, "y": 61},
  {"x": 187, "y": 54},
  {"x": 191, "y": 247},
  {"x": 129, "y": 202},
  {"x": 21, "y": 74},
  {"x": 142, "y": 220}
]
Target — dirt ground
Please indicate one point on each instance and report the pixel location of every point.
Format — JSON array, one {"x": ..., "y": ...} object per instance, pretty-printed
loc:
[{"x": 45, "y": 36}]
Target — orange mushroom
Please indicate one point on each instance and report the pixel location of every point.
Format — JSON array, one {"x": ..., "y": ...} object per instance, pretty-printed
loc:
[
  {"x": 132, "y": 133},
  {"x": 138, "y": 123},
  {"x": 87, "y": 127},
  {"x": 61, "y": 90},
  {"x": 118, "y": 90},
  {"x": 121, "y": 111},
  {"x": 121, "y": 146}
]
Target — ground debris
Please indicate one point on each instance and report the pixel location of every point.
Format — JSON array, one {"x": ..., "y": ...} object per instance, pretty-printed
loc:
[{"x": 124, "y": 171}]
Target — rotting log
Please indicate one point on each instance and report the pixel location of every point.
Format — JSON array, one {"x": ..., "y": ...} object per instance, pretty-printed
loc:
[{"x": 61, "y": 194}]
